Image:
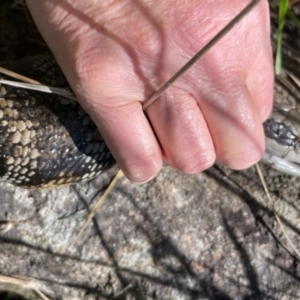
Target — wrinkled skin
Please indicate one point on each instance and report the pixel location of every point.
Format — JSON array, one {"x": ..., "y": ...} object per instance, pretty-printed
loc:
[{"x": 117, "y": 53}]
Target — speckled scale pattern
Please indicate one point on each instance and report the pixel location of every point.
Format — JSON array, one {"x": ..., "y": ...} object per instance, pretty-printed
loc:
[{"x": 47, "y": 140}]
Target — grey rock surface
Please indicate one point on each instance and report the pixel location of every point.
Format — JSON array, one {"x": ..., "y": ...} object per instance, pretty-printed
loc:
[{"x": 207, "y": 236}]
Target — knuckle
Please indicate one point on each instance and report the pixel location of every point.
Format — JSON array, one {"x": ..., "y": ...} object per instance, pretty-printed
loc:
[
  {"x": 142, "y": 171},
  {"x": 195, "y": 163},
  {"x": 244, "y": 158}
]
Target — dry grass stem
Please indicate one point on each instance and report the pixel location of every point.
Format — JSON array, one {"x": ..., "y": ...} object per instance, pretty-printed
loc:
[
  {"x": 31, "y": 84},
  {"x": 18, "y": 76},
  {"x": 98, "y": 205},
  {"x": 6, "y": 225},
  {"x": 262, "y": 179},
  {"x": 24, "y": 283},
  {"x": 129, "y": 286},
  {"x": 201, "y": 52}
]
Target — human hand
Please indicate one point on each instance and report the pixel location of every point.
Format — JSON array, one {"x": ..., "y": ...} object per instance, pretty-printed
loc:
[{"x": 116, "y": 54}]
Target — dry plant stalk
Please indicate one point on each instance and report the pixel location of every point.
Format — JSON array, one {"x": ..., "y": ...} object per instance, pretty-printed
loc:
[
  {"x": 24, "y": 283},
  {"x": 122, "y": 292},
  {"x": 6, "y": 225},
  {"x": 201, "y": 52},
  {"x": 262, "y": 179},
  {"x": 97, "y": 206},
  {"x": 31, "y": 84}
]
